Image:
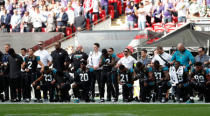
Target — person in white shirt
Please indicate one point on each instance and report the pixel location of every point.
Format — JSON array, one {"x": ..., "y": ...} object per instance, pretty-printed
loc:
[
  {"x": 161, "y": 56},
  {"x": 194, "y": 9},
  {"x": 37, "y": 20},
  {"x": 15, "y": 21},
  {"x": 71, "y": 16},
  {"x": 93, "y": 63},
  {"x": 96, "y": 5},
  {"x": 45, "y": 57},
  {"x": 148, "y": 6},
  {"x": 141, "y": 16},
  {"x": 26, "y": 22},
  {"x": 182, "y": 11},
  {"x": 128, "y": 61}
]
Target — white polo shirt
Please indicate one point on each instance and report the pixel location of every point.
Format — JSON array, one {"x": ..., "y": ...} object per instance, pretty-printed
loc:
[
  {"x": 164, "y": 55},
  {"x": 45, "y": 57},
  {"x": 127, "y": 61},
  {"x": 94, "y": 58}
]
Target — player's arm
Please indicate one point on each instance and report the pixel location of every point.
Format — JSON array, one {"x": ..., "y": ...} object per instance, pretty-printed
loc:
[
  {"x": 101, "y": 61},
  {"x": 207, "y": 76},
  {"x": 23, "y": 65},
  {"x": 112, "y": 62},
  {"x": 42, "y": 66},
  {"x": 37, "y": 80}
]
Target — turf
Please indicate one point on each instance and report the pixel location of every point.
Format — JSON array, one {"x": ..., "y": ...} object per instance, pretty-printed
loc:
[{"x": 104, "y": 110}]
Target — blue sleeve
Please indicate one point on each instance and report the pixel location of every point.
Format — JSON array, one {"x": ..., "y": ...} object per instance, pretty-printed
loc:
[
  {"x": 131, "y": 70},
  {"x": 193, "y": 70},
  {"x": 37, "y": 58},
  {"x": 207, "y": 71},
  {"x": 192, "y": 59},
  {"x": 91, "y": 69},
  {"x": 165, "y": 69},
  {"x": 150, "y": 69},
  {"x": 54, "y": 71},
  {"x": 24, "y": 59},
  {"x": 114, "y": 56},
  {"x": 173, "y": 57},
  {"x": 185, "y": 70}
]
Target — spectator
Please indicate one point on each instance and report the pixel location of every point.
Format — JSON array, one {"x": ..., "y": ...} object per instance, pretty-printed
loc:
[
  {"x": 51, "y": 27},
  {"x": 167, "y": 13},
  {"x": 96, "y": 6},
  {"x": 37, "y": 20},
  {"x": 80, "y": 22},
  {"x": 148, "y": 6},
  {"x": 129, "y": 11},
  {"x": 5, "y": 21},
  {"x": 141, "y": 16},
  {"x": 26, "y": 22},
  {"x": 144, "y": 58},
  {"x": 62, "y": 19},
  {"x": 71, "y": 16},
  {"x": 44, "y": 13},
  {"x": 88, "y": 8},
  {"x": 194, "y": 9},
  {"x": 162, "y": 57},
  {"x": 158, "y": 11},
  {"x": 15, "y": 21},
  {"x": 21, "y": 8},
  {"x": 202, "y": 57},
  {"x": 182, "y": 11},
  {"x": 104, "y": 6},
  {"x": 184, "y": 56}
]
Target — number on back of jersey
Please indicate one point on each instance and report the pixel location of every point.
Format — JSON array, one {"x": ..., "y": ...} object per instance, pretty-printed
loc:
[
  {"x": 158, "y": 75},
  {"x": 199, "y": 78},
  {"x": 84, "y": 77},
  {"x": 123, "y": 78},
  {"x": 48, "y": 77}
]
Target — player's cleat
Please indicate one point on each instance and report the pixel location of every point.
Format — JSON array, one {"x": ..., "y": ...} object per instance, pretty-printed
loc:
[
  {"x": 114, "y": 100},
  {"x": 190, "y": 101},
  {"x": 92, "y": 100},
  {"x": 163, "y": 100},
  {"x": 26, "y": 100},
  {"x": 102, "y": 100}
]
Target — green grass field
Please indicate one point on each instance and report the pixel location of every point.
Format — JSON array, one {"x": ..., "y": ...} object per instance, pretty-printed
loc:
[{"x": 104, "y": 110}]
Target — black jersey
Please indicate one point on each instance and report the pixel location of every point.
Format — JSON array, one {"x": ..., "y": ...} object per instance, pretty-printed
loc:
[
  {"x": 32, "y": 63},
  {"x": 142, "y": 75},
  {"x": 48, "y": 78},
  {"x": 200, "y": 77},
  {"x": 105, "y": 61},
  {"x": 158, "y": 73},
  {"x": 126, "y": 77},
  {"x": 82, "y": 78}
]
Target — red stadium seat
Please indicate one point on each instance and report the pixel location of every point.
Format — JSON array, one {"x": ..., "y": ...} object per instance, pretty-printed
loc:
[
  {"x": 159, "y": 30},
  {"x": 112, "y": 14},
  {"x": 157, "y": 25},
  {"x": 95, "y": 19},
  {"x": 68, "y": 31},
  {"x": 169, "y": 25},
  {"x": 180, "y": 24},
  {"x": 175, "y": 19},
  {"x": 88, "y": 24},
  {"x": 44, "y": 29},
  {"x": 149, "y": 28},
  {"x": 103, "y": 15},
  {"x": 171, "y": 29}
]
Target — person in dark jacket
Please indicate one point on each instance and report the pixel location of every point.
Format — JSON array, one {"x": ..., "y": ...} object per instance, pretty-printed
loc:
[
  {"x": 62, "y": 19},
  {"x": 80, "y": 22},
  {"x": 14, "y": 64},
  {"x": 5, "y": 21}
]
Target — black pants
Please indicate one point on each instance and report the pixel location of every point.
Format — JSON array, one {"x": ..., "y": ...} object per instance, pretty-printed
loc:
[
  {"x": 161, "y": 89},
  {"x": 46, "y": 88},
  {"x": 39, "y": 29},
  {"x": 64, "y": 90},
  {"x": 115, "y": 84},
  {"x": 15, "y": 88},
  {"x": 148, "y": 18},
  {"x": 82, "y": 92},
  {"x": 181, "y": 91},
  {"x": 145, "y": 92},
  {"x": 127, "y": 92},
  {"x": 37, "y": 92},
  {"x": 6, "y": 82},
  {"x": 95, "y": 76},
  {"x": 106, "y": 78},
  {"x": 207, "y": 95},
  {"x": 27, "y": 79},
  {"x": 198, "y": 87},
  {"x": 63, "y": 30}
]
